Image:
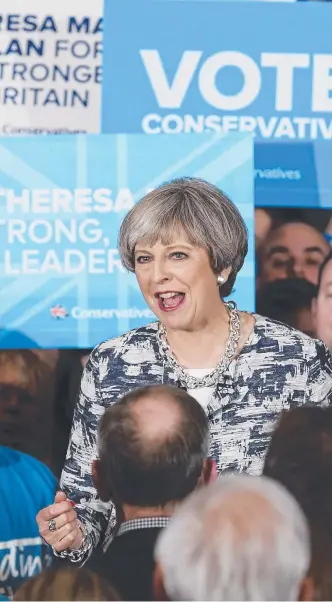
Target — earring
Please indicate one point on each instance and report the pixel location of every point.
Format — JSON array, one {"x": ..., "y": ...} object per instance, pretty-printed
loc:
[{"x": 220, "y": 280}]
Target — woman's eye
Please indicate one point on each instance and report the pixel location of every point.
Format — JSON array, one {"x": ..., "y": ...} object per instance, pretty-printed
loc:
[
  {"x": 179, "y": 255},
  {"x": 142, "y": 259}
]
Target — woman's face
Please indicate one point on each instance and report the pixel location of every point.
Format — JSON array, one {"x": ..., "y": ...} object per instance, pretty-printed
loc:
[{"x": 177, "y": 283}]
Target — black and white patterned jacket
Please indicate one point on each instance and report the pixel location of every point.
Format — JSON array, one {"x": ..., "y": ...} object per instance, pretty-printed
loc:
[{"x": 278, "y": 368}]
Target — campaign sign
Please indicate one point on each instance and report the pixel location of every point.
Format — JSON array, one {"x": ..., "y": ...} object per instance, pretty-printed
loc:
[
  {"x": 50, "y": 67},
  {"x": 293, "y": 174},
  {"x": 251, "y": 67},
  {"x": 62, "y": 200},
  {"x": 198, "y": 66}
]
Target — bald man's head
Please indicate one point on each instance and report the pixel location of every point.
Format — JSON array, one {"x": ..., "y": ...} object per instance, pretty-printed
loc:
[
  {"x": 157, "y": 416},
  {"x": 152, "y": 447}
]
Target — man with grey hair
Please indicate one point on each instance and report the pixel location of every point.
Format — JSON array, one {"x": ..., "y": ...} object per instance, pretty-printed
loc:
[{"x": 242, "y": 538}]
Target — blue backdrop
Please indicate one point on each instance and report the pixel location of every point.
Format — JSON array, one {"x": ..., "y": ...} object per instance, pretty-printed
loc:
[
  {"x": 202, "y": 66},
  {"x": 62, "y": 200}
]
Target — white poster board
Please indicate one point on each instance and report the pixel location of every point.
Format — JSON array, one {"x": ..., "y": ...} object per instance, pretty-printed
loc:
[{"x": 50, "y": 66}]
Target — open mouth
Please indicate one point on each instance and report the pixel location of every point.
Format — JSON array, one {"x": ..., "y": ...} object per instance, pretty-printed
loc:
[{"x": 170, "y": 300}]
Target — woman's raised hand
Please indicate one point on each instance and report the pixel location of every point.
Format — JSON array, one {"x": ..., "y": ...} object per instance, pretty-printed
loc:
[{"x": 58, "y": 524}]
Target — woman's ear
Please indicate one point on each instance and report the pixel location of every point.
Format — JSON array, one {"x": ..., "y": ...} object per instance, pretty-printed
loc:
[{"x": 225, "y": 273}]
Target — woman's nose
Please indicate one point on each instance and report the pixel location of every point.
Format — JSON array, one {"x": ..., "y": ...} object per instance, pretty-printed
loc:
[{"x": 160, "y": 271}]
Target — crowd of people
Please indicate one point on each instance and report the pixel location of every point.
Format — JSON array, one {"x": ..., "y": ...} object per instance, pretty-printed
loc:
[
  {"x": 184, "y": 534},
  {"x": 199, "y": 456}
]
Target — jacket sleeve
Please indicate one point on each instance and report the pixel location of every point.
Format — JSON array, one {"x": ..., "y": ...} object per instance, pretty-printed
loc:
[
  {"x": 76, "y": 479},
  {"x": 319, "y": 383}
]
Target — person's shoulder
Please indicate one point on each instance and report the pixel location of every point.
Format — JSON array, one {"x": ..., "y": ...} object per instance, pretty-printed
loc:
[
  {"x": 286, "y": 337},
  {"x": 19, "y": 463},
  {"x": 139, "y": 338}
]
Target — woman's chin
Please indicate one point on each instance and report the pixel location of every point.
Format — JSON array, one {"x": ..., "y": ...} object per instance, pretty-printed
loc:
[{"x": 175, "y": 320}]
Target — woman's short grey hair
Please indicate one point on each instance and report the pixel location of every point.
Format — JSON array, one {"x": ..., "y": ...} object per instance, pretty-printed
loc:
[
  {"x": 242, "y": 538},
  {"x": 206, "y": 215}
]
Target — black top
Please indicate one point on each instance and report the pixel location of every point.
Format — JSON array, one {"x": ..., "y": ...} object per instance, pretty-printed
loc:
[{"x": 128, "y": 563}]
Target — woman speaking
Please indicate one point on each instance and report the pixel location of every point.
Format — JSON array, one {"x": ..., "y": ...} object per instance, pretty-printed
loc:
[{"x": 186, "y": 242}]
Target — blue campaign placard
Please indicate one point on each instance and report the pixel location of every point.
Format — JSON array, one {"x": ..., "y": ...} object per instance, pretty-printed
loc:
[
  {"x": 293, "y": 174},
  {"x": 62, "y": 200},
  {"x": 187, "y": 66}
]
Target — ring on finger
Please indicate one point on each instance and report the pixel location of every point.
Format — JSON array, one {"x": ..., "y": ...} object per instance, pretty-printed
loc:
[{"x": 52, "y": 525}]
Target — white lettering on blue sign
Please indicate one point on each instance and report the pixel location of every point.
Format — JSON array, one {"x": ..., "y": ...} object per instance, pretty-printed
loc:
[{"x": 171, "y": 94}]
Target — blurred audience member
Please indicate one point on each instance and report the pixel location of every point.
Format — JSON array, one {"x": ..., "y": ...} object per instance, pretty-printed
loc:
[
  {"x": 290, "y": 301},
  {"x": 263, "y": 224},
  {"x": 300, "y": 458},
  {"x": 69, "y": 373},
  {"x": 25, "y": 485},
  {"x": 294, "y": 250},
  {"x": 320, "y": 571},
  {"x": 265, "y": 220},
  {"x": 26, "y": 403},
  {"x": 328, "y": 230},
  {"x": 322, "y": 306},
  {"x": 153, "y": 447},
  {"x": 68, "y": 378},
  {"x": 67, "y": 585},
  {"x": 317, "y": 218},
  {"x": 242, "y": 538},
  {"x": 48, "y": 356}
]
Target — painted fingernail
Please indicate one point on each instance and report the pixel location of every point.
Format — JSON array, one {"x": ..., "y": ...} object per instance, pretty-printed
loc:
[{"x": 72, "y": 503}]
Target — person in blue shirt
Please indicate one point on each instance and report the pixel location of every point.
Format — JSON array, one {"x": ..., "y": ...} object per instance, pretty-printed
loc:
[{"x": 26, "y": 485}]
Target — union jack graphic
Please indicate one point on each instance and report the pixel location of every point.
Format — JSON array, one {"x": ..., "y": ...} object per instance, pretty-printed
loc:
[{"x": 59, "y": 312}]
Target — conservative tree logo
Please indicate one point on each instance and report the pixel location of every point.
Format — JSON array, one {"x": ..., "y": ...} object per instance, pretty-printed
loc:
[{"x": 58, "y": 312}]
